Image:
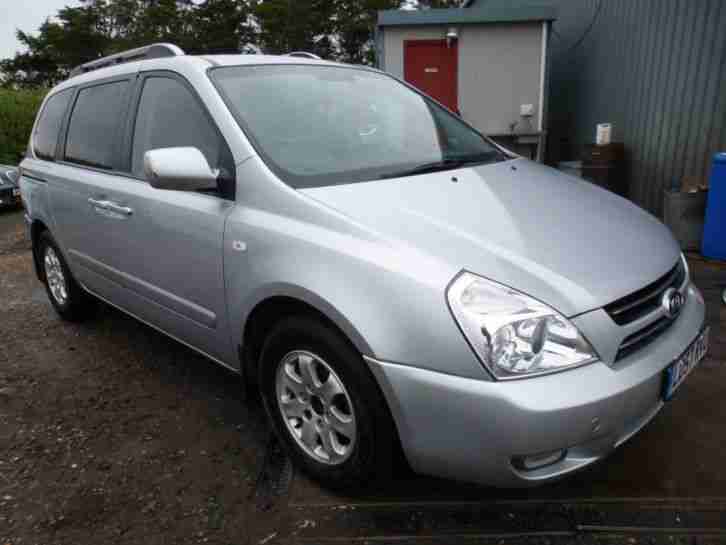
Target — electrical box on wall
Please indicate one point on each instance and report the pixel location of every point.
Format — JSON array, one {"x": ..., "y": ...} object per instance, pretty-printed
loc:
[{"x": 526, "y": 110}]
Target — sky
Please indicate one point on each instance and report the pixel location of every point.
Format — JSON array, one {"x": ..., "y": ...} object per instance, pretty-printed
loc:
[{"x": 27, "y": 15}]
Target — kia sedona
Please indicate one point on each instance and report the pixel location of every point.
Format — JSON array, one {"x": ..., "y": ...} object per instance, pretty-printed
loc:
[{"x": 387, "y": 277}]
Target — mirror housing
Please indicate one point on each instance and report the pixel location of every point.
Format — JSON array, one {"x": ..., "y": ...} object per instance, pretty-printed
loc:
[{"x": 179, "y": 169}]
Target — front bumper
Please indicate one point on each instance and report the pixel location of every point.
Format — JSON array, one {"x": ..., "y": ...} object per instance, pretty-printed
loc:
[{"x": 468, "y": 429}]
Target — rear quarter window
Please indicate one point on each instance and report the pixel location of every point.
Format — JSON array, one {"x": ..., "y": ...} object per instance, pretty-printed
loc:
[
  {"x": 94, "y": 125},
  {"x": 49, "y": 123}
]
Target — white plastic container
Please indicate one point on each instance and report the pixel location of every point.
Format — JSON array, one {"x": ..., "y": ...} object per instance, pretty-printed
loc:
[{"x": 603, "y": 135}]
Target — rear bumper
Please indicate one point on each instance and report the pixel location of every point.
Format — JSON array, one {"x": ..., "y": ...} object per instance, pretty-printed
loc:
[{"x": 468, "y": 429}]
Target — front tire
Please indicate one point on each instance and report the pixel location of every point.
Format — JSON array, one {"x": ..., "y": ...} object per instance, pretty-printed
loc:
[
  {"x": 325, "y": 405},
  {"x": 70, "y": 301}
]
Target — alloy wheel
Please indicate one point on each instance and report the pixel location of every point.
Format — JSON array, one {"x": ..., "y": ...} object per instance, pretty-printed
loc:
[
  {"x": 55, "y": 277},
  {"x": 316, "y": 407}
]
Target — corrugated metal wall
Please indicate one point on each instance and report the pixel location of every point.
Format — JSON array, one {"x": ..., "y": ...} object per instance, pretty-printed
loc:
[{"x": 656, "y": 69}]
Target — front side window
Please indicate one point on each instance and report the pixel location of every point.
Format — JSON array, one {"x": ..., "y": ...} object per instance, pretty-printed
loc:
[
  {"x": 320, "y": 125},
  {"x": 45, "y": 137},
  {"x": 94, "y": 124},
  {"x": 170, "y": 116}
]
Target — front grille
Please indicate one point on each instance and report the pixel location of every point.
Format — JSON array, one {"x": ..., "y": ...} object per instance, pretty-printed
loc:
[
  {"x": 645, "y": 336},
  {"x": 646, "y": 300},
  {"x": 641, "y": 303}
]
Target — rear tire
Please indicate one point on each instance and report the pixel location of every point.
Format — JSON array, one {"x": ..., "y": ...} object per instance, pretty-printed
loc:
[
  {"x": 324, "y": 404},
  {"x": 70, "y": 301}
]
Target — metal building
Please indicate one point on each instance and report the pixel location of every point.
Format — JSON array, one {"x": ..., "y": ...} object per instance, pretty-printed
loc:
[{"x": 656, "y": 69}]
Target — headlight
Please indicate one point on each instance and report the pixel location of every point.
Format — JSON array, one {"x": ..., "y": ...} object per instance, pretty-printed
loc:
[{"x": 513, "y": 334}]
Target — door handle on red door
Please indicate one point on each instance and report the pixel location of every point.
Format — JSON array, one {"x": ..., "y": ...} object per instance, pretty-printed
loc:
[{"x": 110, "y": 206}]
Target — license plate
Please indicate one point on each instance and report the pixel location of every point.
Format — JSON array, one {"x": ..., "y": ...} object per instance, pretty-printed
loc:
[
  {"x": 16, "y": 193},
  {"x": 677, "y": 371}
]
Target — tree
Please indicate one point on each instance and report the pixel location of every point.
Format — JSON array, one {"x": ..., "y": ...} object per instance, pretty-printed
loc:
[
  {"x": 355, "y": 29},
  {"x": 296, "y": 25},
  {"x": 75, "y": 37},
  {"x": 18, "y": 108},
  {"x": 101, "y": 27},
  {"x": 221, "y": 26},
  {"x": 334, "y": 29}
]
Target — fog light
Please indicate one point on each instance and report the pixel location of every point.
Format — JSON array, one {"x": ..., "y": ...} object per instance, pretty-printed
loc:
[{"x": 537, "y": 461}]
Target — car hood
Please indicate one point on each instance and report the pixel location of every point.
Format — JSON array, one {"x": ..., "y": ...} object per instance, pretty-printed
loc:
[{"x": 557, "y": 238}]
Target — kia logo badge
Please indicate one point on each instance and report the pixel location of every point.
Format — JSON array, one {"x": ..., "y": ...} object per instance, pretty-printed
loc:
[{"x": 672, "y": 302}]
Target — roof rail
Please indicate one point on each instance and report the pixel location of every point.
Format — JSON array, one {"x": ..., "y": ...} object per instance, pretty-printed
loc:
[
  {"x": 303, "y": 54},
  {"x": 153, "y": 51}
]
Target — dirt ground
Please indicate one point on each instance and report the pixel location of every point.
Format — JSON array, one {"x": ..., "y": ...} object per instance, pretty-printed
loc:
[
  {"x": 112, "y": 433},
  {"x": 109, "y": 431}
]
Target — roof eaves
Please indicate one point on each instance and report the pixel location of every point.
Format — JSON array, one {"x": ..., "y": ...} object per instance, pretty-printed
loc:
[{"x": 494, "y": 14}]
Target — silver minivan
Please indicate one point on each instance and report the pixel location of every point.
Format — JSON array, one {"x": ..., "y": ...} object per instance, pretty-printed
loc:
[{"x": 387, "y": 277}]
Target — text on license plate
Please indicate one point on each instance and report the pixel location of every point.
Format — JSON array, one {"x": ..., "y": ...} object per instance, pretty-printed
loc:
[{"x": 679, "y": 369}]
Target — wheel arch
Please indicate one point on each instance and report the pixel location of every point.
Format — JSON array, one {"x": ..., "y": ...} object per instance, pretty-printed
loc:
[
  {"x": 270, "y": 308},
  {"x": 37, "y": 227}
]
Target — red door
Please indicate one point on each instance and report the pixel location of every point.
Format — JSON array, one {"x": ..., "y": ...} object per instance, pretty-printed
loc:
[{"x": 431, "y": 66}]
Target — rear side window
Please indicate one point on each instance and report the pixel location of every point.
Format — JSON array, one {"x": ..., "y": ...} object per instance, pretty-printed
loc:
[
  {"x": 49, "y": 123},
  {"x": 94, "y": 124},
  {"x": 169, "y": 116}
]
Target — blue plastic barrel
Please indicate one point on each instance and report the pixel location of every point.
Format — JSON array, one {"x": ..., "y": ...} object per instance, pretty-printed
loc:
[{"x": 714, "y": 227}]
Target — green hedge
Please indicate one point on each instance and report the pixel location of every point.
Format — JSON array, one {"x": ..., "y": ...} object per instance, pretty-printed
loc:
[{"x": 17, "y": 113}]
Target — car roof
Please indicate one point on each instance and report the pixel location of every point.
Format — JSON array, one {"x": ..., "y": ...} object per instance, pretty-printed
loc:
[
  {"x": 194, "y": 62},
  {"x": 237, "y": 60}
]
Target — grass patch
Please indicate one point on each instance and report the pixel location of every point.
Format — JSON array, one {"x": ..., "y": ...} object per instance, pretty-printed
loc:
[{"x": 17, "y": 113}]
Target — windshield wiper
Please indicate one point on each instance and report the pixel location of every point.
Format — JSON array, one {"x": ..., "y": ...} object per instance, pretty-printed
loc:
[
  {"x": 446, "y": 164},
  {"x": 436, "y": 166}
]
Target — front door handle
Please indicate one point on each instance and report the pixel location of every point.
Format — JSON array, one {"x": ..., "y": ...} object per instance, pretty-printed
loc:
[
  {"x": 119, "y": 209},
  {"x": 98, "y": 203},
  {"x": 110, "y": 206}
]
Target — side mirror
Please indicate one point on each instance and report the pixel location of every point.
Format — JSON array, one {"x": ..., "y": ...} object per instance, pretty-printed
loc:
[{"x": 179, "y": 169}]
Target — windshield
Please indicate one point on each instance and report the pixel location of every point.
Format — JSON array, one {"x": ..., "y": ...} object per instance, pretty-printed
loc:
[{"x": 319, "y": 125}]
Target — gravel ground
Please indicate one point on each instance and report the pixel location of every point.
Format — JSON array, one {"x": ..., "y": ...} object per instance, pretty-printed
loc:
[{"x": 109, "y": 431}]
